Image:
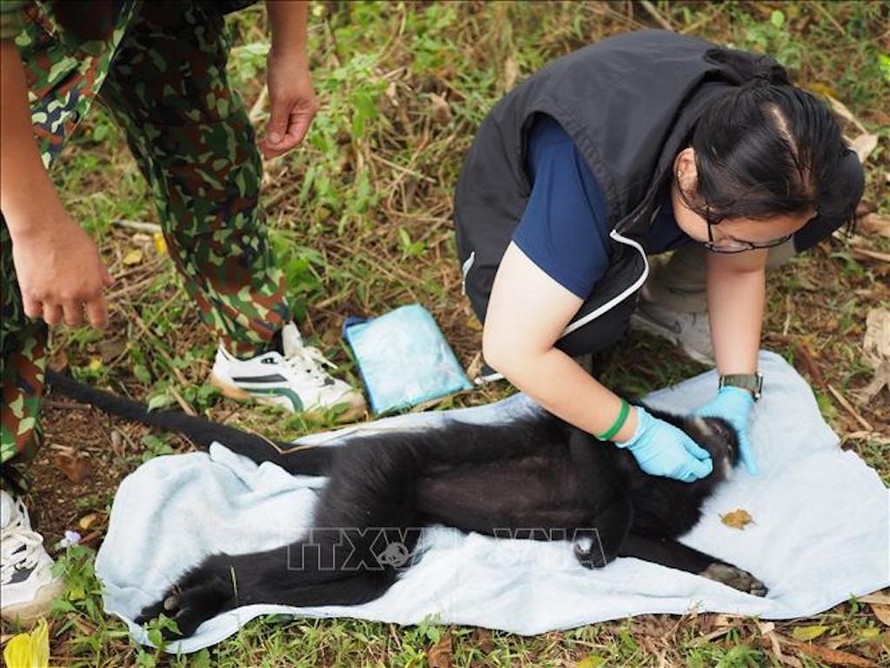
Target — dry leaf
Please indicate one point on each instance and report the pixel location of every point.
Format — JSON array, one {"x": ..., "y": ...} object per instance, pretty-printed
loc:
[
  {"x": 483, "y": 640},
  {"x": 876, "y": 343},
  {"x": 391, "y": 94},
  {"x": 87, "y": 521},
  {"x": 879, "y": 597},
  {"x": 111, "y": 348},
  {"x": 841, "y": 110},
  {"x": 875, "y": 223},
  {"x": 882, "y": 612},
  {"x": 74, "y": 465},
  {"x": 864, "y": 144},
  {"x": 737, "y": 519},
  {"x": 133, "y": 257},
  {"x": 58, "y": 361},
  {"x": 440, "y": 655},
  {"x": 834, "y": 657},
  {"x": 440, "y": 109},
  {"x": 511, "y": 72}
]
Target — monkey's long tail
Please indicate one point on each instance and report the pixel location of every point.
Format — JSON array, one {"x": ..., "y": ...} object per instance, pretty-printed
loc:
[{"x": 301, "y": 460}]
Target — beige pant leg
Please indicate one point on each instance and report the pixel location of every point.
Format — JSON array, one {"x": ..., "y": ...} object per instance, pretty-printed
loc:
[{"x": 678, "y": 284}]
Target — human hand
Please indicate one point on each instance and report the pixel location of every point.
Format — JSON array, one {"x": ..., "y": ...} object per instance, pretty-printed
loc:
[
  {"x": 60, "y": 274},
  {"x": 734, "y": 405},
  {"x": 292, "y": 102},
  {"x": 662, "y": 449}
]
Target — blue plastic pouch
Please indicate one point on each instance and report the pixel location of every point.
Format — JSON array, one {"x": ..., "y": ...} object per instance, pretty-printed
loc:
[{"x": 404, "y": 359}]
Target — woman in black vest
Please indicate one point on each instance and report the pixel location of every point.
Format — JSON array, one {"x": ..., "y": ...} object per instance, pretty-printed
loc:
[{"x": 637, "y": 145}]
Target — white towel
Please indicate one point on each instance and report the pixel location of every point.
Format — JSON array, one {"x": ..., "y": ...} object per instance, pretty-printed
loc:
[{"x": 821, "y": 533}]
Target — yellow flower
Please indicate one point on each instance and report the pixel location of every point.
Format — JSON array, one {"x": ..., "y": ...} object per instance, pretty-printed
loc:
[
  {"x": 29, "y": 650},
  {"x": 160, "y": 243}
]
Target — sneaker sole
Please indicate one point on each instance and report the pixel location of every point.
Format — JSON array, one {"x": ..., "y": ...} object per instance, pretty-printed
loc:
[
  {"x": 354, "y": 411},
  {"x": 29, "y": 612},
  {"x": 643, "y": 324}
]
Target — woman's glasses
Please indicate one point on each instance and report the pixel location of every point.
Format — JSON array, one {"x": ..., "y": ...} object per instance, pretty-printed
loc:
[
  {"x": 738, "y": 245},
  {"x": 727, "y": 245}
]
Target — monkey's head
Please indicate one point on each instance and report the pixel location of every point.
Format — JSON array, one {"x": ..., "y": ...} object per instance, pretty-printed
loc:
[{"x": 716, "y": 436}]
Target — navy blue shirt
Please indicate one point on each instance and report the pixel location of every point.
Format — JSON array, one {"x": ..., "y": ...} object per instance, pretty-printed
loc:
[{"x": 564, "y": 229}]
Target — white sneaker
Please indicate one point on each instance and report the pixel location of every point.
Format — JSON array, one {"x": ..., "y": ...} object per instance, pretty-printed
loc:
[
  {"x": 691, "y": 331},
  {"x": 27, "y": 585},
  {"x": 296, "y": 380}
]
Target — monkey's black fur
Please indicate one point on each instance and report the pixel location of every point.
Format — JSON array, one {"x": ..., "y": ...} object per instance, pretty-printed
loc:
[{"x": 536, "y": 477}]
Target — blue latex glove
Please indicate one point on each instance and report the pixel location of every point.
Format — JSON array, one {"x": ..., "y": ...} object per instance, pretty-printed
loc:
[
  {"x": 734, "y": 405},
  {"x": 662, "y": 449}
]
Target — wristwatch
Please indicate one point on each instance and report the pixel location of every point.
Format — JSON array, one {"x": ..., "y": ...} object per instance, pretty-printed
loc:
[{"x": 753, "y": 382}]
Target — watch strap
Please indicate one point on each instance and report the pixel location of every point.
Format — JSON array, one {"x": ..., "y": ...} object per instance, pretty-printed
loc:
[{"x": 753, "y": 382}]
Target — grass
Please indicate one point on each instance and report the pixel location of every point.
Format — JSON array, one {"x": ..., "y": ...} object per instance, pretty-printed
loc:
[{"x": 360, "y": 220}]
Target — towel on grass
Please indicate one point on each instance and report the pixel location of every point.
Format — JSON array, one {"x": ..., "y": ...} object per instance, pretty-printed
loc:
[{"x": 821, "y": 533}]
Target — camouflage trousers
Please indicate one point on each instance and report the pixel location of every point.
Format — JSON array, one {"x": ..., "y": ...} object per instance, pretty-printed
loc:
[{"x": 162, "y": 76}]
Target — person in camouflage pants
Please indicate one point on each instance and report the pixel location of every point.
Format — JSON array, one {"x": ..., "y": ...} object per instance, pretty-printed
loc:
[{"x": 160, "y": 69}]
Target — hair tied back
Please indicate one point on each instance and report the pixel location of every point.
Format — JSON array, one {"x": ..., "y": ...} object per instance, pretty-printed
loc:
[{"x": 750, "y": 68}]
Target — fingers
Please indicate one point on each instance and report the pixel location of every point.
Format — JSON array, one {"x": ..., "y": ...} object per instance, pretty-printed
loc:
[
  {"x": 70, "y": 312},
  {"x": 696, "y": 470},
  {"x": 52, "y": 314},
  {"x": 747, "y": 456},
  {"x": 97, "y": 312},
  {"x": 279, "y": 116},
  {"x": 299, "y": 126},
  {"x": 107, "y": 280},
  {"x": 286, "y": 130},
  {"x": 33, "y": 308},
  {"x": 695, "y": 449}
]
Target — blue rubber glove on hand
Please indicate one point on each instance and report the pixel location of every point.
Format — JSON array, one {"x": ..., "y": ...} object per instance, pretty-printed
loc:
[
  {"x": 734, "y": 405},
  {"x": 662, "y": 449}
]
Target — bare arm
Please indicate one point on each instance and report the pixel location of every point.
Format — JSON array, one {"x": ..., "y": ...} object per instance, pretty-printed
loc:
[
  {"x": 736, "y": 299},
  {"x": 291, "y": 95},
  {"x": 527, "y": 313},
  {"x": 57, "y": 265}
]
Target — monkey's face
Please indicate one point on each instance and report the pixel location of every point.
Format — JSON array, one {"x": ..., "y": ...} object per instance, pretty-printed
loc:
[{"x": 718, "y": 437}]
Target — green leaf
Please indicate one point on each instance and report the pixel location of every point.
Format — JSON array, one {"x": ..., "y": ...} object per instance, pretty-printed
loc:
[
  {"x": 884, "y": 65},
  {"x": 159, "y": 401},
  {"x": 777, "y": 18},
  {"x": 591, "y": 662},
  {"x": 806, "y": 633},
  {"x": 142, "y": 374}
]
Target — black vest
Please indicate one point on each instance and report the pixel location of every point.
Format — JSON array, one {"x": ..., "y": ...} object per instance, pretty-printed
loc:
[{"x": 629, "y": 103}]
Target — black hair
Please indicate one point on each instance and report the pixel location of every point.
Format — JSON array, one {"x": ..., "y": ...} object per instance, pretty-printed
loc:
[{"x": 769, "y": 148}]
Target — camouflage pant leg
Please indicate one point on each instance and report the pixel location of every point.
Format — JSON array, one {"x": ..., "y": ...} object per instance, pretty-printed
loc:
[
  {"x": 62, "y": 76},
  {"x": 22, "y": 363},
  {"x": 192, "y": 139}
]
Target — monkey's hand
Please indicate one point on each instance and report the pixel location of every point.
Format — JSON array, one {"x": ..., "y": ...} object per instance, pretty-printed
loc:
[
  {"x": 734, "y": 405},
  {"x": 662, "y": 449},
  {"x": 200, "y": 594}
]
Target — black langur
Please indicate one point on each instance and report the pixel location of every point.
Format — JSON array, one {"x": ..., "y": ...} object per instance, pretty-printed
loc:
[{"x": 535, "y": 477}]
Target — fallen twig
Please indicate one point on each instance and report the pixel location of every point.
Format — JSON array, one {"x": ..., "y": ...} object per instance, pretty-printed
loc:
[
  {"x": 183, "y": 404},
  {"x": 138, "y": 225},
  {"x": 849, "y": 408},
  {"x": 865, "y": 254},
  {"x": 655, "y": 14}
]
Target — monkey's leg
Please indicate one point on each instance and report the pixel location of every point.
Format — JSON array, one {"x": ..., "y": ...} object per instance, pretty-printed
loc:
[{"x": 673, "y": 554}]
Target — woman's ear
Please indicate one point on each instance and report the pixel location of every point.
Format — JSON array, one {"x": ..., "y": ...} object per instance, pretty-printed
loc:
[{"x": 685, "y": 171}]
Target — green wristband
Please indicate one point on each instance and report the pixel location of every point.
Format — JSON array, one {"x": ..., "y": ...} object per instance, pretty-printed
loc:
[{"x": 618, "y": 424}]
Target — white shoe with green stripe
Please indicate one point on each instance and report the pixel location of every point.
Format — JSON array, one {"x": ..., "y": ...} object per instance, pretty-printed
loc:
[{"x": 295, "y": 380}]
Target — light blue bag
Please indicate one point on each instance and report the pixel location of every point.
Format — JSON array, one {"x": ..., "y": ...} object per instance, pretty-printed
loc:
[{"x": 404, "y": 359}]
